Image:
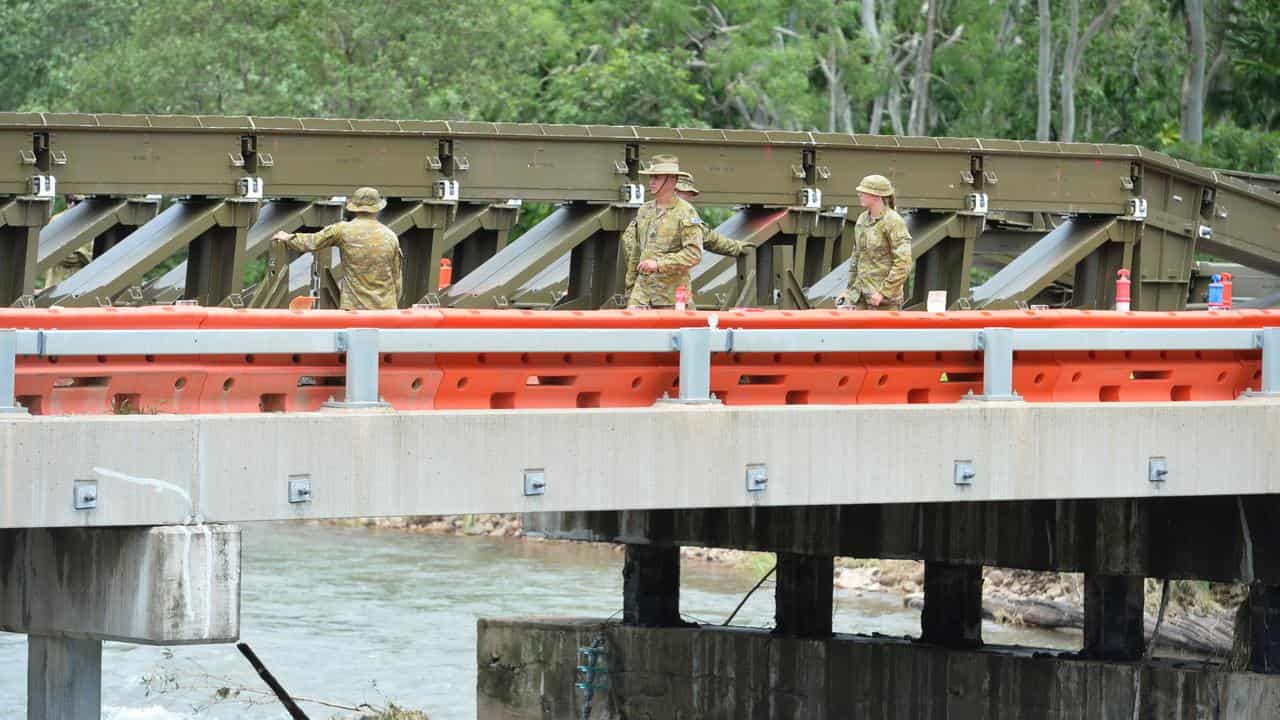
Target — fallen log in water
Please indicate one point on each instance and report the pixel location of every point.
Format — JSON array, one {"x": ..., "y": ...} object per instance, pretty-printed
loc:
[{"x": 1199, "y": 634}]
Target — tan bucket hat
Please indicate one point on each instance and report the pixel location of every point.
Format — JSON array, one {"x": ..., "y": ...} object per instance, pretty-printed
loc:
[
  {"x": 665, "y": 165},
  {"x": 686, "y": 186},
  {"x": 876, "y": 185},
  {"x": 365, "y": 200}
]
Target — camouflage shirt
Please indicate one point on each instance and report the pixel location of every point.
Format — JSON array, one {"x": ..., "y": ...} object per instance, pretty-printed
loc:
[
  {"x": 67, "y": 266},
  {"x": 881, "y": 257},
  {"x": 371, "y": 261},
  {"x": 673, "y": 237},
  {"x": 721, "y": 245}
]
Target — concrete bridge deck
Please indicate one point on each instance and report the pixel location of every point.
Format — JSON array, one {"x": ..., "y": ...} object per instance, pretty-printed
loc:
[
  {"x": 953, "y": 445},
  {"x": 166, "y": 469}
]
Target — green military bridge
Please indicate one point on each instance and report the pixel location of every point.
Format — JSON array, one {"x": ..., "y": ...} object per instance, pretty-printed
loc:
[
  {"x": 1051, "y": 221},
  {"x": 122, "y": 526}
]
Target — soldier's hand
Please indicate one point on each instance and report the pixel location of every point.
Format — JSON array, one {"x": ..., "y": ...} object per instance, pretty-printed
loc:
[
  {"x": 281, "y": 236},
  {"x": 648, "y": 267},
  {"x": 875, "y": 299}
]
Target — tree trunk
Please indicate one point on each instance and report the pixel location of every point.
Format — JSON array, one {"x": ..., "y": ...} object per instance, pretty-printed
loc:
[
  {"x": 1193, "y": 85},
  {"x": 1044, "y": 72},
  {"x": 872, "y": 29},
  {"x": 1068, "y": 86},
  {"x": 1073, "y": 56},
  {"x": 917, "y": 122}
]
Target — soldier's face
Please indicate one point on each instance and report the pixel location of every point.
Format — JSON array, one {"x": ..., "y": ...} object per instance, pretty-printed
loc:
[
  {"x": 658, "y": 182},
  {"x": 869, "y": 201}
]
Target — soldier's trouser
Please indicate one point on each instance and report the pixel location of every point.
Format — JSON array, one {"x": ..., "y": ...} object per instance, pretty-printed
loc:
[{"x": 885, "y": 304}]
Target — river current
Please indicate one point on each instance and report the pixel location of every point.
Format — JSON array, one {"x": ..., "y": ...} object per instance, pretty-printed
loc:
[{"x": 355, "y": 615}]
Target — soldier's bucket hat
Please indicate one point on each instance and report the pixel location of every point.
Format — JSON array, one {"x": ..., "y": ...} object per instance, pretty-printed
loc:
[
  {"x": 366, "y": 200},
  {"x": 665, "y": 165},
  {"x": 686, "y": 186},
  {"x": 878, "y": 185}
]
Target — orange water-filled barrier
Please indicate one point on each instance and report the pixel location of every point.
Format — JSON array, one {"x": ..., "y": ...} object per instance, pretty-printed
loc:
[{"x": 424, "y": 381}]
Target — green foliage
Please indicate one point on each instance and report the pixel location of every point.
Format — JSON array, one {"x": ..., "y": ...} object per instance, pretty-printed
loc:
[{"x": 1232, "y": 147}]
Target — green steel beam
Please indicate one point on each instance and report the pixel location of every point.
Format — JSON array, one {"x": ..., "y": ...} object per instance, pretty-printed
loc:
[{"x": 1188, "y": 207}]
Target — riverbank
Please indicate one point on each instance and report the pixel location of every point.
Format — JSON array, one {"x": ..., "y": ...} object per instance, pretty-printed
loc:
[{"x": 1198, "y": 617}]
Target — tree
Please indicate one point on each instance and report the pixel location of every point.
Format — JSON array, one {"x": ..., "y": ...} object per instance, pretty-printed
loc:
[
  {"x": 1193, "y": 82},
  {"x": 918, "y": 119},
  {"x": 1044, "y": 73},
  {"x": 1073, "y": 57}
]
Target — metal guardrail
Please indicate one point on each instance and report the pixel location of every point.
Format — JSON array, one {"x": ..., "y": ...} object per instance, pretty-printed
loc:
[{"x": 695, "y": 346}]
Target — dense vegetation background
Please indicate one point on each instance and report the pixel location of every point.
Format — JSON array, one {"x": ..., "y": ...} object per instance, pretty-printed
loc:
[{"x": 1196, "y": 78}]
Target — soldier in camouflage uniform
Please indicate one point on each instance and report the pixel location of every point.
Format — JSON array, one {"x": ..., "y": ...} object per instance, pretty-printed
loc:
[
  {"x": 664, "y": 241},
  {"x": 79, "y": 258},
  {"x": 371, "y": 257},
  {"x": 712, "y": 240},
  {"x": 881, "y": 257}
]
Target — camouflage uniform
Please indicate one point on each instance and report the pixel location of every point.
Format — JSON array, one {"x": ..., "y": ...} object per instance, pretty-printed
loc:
[
  {"x": 69, "y": 265},
  {"x": 673, "y": 237},
  {"x": 881, "y": 260},
  {"x": 371, "y": 257},
  {"x": 721, "y": 245},
  {"x": 881, "y": 257},
  {"x": 711, "y": 240}
]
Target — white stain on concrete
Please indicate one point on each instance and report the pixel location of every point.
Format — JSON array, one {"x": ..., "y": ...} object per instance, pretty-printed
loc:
[{"x": 159, "y": 485}]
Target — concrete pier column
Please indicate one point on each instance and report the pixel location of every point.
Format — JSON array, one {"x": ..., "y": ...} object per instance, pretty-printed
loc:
[
  {"x": 64, "y": 678},
  {"x": 952, "y": 615},
  {"x": 651, "y": 586},
  {"x": 803, "y": 595},
  {"x": 1113, "y": 617},
  {"x": 1264, "y": 627}
]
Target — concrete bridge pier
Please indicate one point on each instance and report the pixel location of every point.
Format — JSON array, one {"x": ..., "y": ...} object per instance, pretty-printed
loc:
[
  {"x": 651, "y": 586},
  {"x": 64, "y": 678},
  {"x": 803, "y": 595},
  {"x": 952, "y": 614},
  {"x": 68, "y": 589}
]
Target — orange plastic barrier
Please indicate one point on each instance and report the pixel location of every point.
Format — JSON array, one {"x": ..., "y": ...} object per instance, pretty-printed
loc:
[{"x": 425, "y": 381}]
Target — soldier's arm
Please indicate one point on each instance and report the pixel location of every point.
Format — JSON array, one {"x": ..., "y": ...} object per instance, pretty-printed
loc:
[
  {"x": 310, "y": 242},
  {"x": 896, "y": 278},
  {"x": 853, "y": 266},
  {"x": 721, "y": 245},
  {"x": 690, "y": 252},
  {"x": 630, "y": 254}
]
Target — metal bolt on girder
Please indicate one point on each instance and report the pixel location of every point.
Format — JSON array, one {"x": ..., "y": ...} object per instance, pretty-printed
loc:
[
  {"x": 964, "y": 473},
  {"x": 85, "y": 495},
  {"x": 535, "y": 482},
  {"x": 757, "y": 477},
  {"x": 1157, "y": 469},
  {"x": 299, "y": 488}
]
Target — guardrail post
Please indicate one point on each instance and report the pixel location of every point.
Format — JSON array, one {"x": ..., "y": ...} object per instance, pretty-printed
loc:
[
  {"x": 1269, "y": 340},
  {"x": 694, "y": 345},
  {"x": 361, "y": 346},
  {"x": 997, "y": 364},
  {"x": 9, "y": 372}
]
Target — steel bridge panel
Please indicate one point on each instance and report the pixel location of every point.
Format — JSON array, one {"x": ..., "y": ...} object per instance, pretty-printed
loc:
[{"x": 124, "y": 264}]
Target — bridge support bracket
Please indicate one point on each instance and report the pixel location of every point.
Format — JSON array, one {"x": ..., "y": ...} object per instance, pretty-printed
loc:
[
  {"x": 1269, "y": 342},
  {"x": 997, "y": 366},
  {"x": 361, "y": 346}
]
